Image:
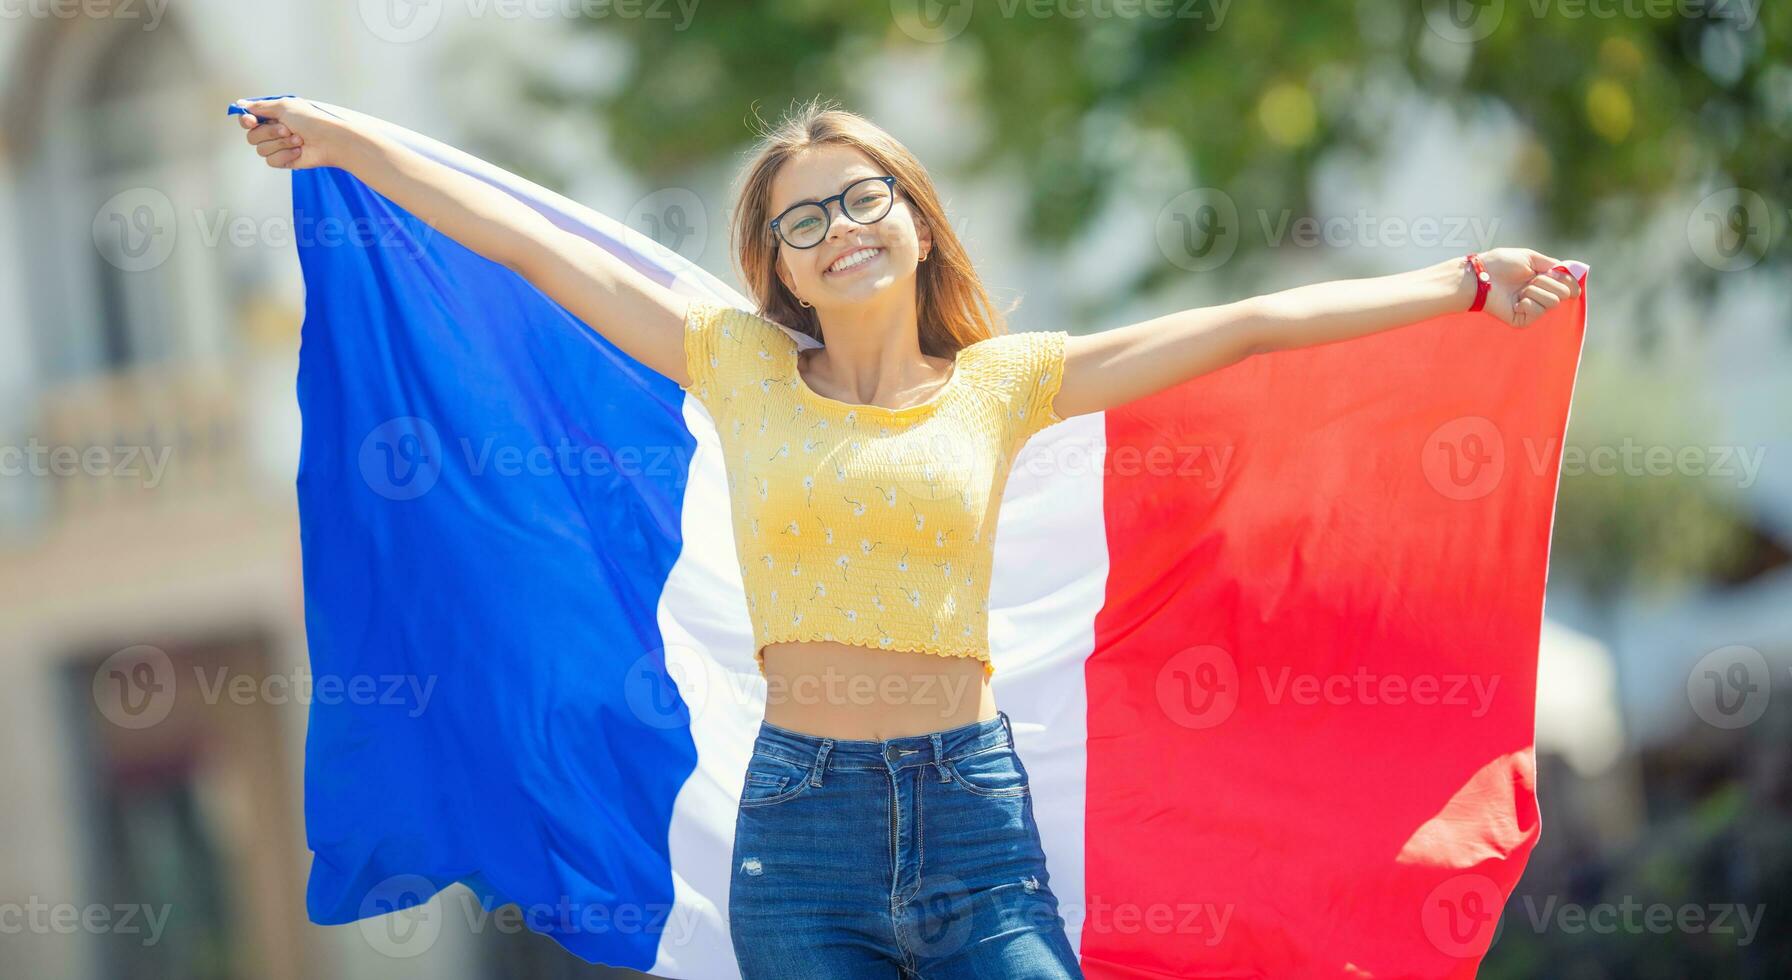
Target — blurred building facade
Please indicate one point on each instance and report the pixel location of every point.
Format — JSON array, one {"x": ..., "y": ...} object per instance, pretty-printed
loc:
[
  {"x": 136, "y": 517},
  {"x": 149, "y": 562},
  {"x": 152, "y": 698}
]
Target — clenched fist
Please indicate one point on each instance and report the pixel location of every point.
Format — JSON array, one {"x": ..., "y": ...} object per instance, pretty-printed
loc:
[
  {"x": 1526, "y": 284},
  {"x": 293, "y": 134}
]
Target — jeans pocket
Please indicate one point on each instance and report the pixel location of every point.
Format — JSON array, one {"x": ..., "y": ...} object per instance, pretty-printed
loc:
[
  {"x": 992, "y": 772},
  {"x": 773, "y": 779}
]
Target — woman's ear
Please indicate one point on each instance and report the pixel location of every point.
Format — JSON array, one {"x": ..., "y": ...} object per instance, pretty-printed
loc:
[{"x": 923, "y": 237}]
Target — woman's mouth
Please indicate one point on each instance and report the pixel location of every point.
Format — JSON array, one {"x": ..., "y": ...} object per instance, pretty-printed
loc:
[{"x": 854, "y": 259}]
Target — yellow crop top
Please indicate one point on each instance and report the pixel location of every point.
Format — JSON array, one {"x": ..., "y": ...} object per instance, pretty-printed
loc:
[{"x": 857, "y": 523}]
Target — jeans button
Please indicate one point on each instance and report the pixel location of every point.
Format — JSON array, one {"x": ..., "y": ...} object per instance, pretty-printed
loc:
[{"x": 891, "y": 753}]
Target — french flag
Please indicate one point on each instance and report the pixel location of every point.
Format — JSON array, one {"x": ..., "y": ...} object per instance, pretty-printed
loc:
[{"x": 1268, "y": 639}]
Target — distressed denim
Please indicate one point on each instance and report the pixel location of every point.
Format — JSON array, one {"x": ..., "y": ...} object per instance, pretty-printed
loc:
[{"x": 912, "y": 857}]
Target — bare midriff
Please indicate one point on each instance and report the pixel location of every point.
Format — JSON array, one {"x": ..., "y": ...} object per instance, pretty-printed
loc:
[{"x": 844, "y": 691}]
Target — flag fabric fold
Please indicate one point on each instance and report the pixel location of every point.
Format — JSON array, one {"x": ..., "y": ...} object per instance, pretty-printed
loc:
[{"x": 1268, "y": 638}]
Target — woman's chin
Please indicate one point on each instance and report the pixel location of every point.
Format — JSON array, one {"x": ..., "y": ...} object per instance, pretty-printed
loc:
[{"x": 862, "y": 290}]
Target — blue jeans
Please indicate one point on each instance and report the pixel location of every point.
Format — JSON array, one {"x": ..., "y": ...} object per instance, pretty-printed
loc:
[{"x": 909, "y": 857}]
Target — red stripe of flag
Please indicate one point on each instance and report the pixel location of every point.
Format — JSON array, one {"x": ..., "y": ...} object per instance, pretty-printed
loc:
[{"x": 1311, "y": 697}]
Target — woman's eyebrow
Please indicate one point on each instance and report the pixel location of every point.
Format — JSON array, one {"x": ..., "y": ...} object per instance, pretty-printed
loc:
[{"x": 849, "y": 182}]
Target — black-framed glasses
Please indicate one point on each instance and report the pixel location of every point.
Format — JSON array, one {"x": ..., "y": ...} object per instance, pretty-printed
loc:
[{"x": 865, "y": 201}]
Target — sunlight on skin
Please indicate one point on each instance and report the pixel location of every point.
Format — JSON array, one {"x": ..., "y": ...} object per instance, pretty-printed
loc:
[{"x": 868, "y": 316}]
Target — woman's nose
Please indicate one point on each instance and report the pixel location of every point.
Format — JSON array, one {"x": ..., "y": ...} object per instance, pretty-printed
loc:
[{"x": 837, "y": 220}]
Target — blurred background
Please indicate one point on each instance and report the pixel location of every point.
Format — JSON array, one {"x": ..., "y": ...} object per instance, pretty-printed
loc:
[{"x": 1106, "y": 161}]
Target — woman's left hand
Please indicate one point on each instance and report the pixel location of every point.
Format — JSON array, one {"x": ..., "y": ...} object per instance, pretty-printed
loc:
[{"x": 1526, "y": 284}]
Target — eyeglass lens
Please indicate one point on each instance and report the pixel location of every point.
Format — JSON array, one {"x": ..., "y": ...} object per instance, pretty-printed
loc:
[{"x": 865, "y": 201}]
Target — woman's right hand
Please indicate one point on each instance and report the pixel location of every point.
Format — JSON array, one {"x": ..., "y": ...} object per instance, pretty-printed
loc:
[
  {"x": 639, "y": 314},
  {"x": 293, "y": 134}
]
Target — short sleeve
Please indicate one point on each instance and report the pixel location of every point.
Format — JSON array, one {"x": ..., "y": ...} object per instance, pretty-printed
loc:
[
  {"x": 1034, "y": 363},
  {"x": 725, "y": 349},
  {"x": 702, "y": 357}
]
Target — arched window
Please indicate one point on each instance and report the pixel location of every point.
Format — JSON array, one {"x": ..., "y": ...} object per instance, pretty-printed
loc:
[
  {"x": 127, "y": 305},
  {"x": 120, "y": 273}
]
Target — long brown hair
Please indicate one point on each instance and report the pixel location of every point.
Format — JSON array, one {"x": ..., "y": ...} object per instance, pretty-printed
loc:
[{"x": 951, "y": 304}]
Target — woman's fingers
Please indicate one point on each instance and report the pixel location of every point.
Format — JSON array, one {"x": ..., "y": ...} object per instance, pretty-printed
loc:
[
  {"x": 1567, "y": 276},
  {"x": 266, "y": 132},
  {"x": 271, "y": 147},
  {"x": 276, "y": 133},
  {"x": 1558, "y": 273},
  {"x": 1541, "y": 295},
  {"x": 1544, "y": 289},
  {"x": 1555, "y": 287},
  {"x": 284, "y": 158},
  {"x": 271, "y": 109},
  {"x": 282, "y": 152},
  {"x": 1532, "y": 302}
]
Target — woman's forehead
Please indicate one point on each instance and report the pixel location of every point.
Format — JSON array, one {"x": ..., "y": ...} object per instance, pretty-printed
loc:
[{"x": 819, "y": 172}]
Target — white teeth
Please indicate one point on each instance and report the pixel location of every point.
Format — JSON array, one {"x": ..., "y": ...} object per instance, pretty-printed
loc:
[{"x": 856, "y": 258}]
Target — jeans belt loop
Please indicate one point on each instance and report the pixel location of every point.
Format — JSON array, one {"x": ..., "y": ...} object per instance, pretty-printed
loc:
[
  {"x": 821, "y": 761},
  {"x": 939, "y": 759},
  {"x": 1006, "y": 724}
]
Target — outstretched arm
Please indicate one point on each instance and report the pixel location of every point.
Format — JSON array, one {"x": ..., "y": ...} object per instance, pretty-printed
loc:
[
  {"x": 638, "y": 315},
  {"x": 1116, "y": 366}
]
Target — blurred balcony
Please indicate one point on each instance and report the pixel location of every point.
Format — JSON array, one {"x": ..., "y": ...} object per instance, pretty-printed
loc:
[
  {"x": 159, "y": 437},
  {"x": 141, "y": 492}
]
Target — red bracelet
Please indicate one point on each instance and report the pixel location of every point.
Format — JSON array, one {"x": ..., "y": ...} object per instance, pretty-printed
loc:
[{"x": 1483, "y": 282}]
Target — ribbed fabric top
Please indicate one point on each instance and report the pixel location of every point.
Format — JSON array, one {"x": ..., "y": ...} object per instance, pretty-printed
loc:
[{"x": 857, "y": 523}]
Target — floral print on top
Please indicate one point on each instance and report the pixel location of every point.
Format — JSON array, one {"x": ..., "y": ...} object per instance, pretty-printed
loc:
[{"x": 857, "y": 523}]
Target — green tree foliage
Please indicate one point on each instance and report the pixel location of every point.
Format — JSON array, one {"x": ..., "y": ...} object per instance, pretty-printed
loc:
[
  {"x": 1629, "y": 105},
  {"x": 1626, "y": 101}
]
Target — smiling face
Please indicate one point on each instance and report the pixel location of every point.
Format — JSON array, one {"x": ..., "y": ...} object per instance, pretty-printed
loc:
[{"x": 886, "y": 252}]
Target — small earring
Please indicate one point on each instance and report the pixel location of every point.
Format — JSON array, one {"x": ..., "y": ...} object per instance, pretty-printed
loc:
[
  {"x": 805, "y": 303},
  {"x": 924, "y": 256}
]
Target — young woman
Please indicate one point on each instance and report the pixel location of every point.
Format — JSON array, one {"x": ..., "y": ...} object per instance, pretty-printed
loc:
[{"x": 883, "y": 790}]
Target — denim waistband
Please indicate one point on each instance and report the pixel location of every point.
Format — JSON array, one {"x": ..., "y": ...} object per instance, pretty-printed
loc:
[{"x": 893, "y": 754}]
